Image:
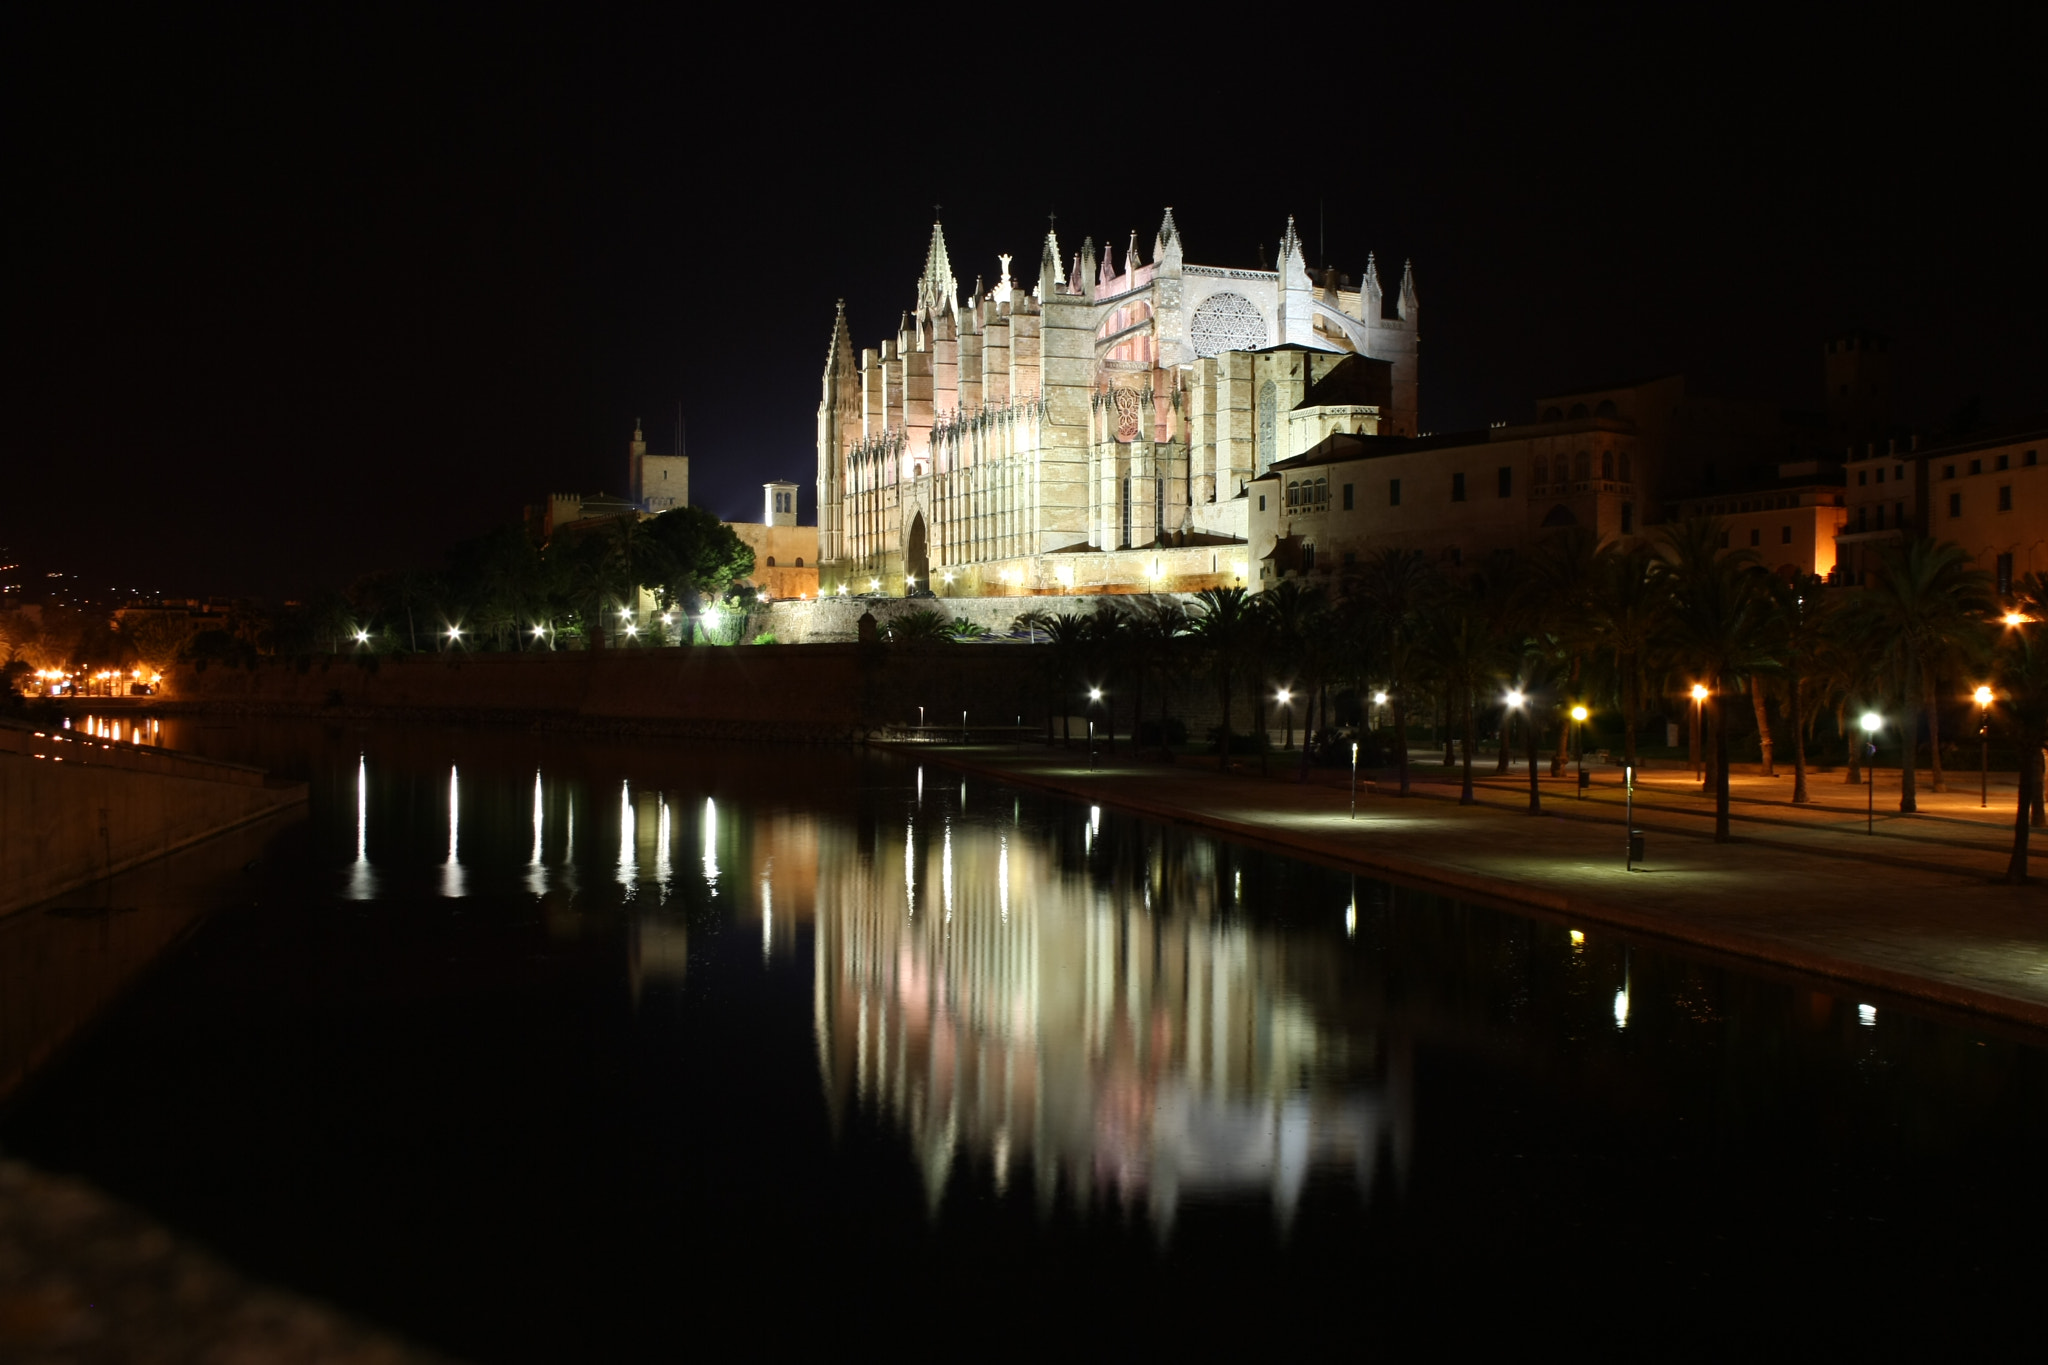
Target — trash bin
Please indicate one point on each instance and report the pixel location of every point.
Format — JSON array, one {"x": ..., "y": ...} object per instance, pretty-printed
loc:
[
  {"x": 1635, "y": 846},
  {"x": 1585, "y": 779}
]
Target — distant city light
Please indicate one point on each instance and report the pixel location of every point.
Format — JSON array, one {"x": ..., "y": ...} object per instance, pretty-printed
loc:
[
  {"x": 1579, "y": 713},
  {"x": 1379, "y": 699},
  {"x": 2013, "y": 618},
  {"x": 538, "y": 632},
  {"x": 1699, "y": 692},
  {"x": 1983, "y": 696},
  {"x": 454, "y": 633},
  {"x": 1872, "y": 722},
  {"x": 362, "y": 637},
  {"x": 1284, "y": 696},
  {"x": 1515, "y": 698},
  {"x": 1095, "y": 694}
]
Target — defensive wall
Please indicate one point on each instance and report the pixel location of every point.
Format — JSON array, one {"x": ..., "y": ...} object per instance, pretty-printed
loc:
[
  {"x": 75, "y": 809},
  {"x": 816, "y": 693},
  {"x": 836, "y": 619}
]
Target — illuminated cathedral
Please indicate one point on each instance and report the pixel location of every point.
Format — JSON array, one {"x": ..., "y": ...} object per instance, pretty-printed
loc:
[{"x": 1097, "y": 431}]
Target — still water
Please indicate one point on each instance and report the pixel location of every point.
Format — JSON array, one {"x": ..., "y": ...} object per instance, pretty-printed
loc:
[{"x": 535, "y": 1048}]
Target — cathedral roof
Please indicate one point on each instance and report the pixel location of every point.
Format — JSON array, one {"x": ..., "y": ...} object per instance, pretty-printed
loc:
[
  {"x": 1354, "y": 381},
  {"x": 1342, "y": 446}
]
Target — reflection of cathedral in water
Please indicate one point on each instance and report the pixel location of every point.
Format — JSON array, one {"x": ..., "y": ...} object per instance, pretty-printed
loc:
[{"x": 1119, "y": 1033}]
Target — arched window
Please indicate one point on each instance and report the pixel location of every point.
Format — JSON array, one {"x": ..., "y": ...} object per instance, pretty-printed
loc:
[
  {"x": 1542, "y": 470},
  {"x": 1582, "y": 466},
  {"x": 1606, "y": 409},
  {"x": 1627, "y": 472},
  {"x": 771, "y": 561},
  {"x": 1553, "y": 414},
  {"x": 1560, "y": 515},
  {"x": 1578, "y": 411},
  {"x": 1607, "y": 464},
  {"x": 1293, "y": 495},
  {"x": 799, "y": 561},
  {"x": 1322, "y": 491}
]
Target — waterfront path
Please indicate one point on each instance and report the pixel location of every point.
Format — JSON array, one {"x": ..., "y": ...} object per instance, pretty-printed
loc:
[{"x": 1914, "y": 909}]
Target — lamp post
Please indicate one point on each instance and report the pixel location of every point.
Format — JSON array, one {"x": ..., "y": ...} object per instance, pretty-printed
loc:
[
  {"x": 1094, "y": 696},
  {"x": 1379, "y": 699},
  {"x": 1354, "y": 779},
  {"x": 1871, "y": 724},
  {"x": 1699, "y": 701},
  {"x": 1516, "y": 698},
  {"x": 1286, "y": 700},
  {"x": 1579, "y": 716},
  {"x": 1984, "y": 749}
]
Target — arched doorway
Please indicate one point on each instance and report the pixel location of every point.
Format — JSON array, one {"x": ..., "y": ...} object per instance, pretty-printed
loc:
[{"x": 915, "y": 566}]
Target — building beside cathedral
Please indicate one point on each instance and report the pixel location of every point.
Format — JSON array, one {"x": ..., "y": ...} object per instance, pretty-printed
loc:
[{"x": 1098, "y": 431}]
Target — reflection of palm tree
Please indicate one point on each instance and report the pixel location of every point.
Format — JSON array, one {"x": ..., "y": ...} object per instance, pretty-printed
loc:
[{"x": 1924, "y": 604}]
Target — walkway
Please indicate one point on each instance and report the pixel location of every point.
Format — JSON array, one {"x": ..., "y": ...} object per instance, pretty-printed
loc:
[{"x": 1913, "y": 909}]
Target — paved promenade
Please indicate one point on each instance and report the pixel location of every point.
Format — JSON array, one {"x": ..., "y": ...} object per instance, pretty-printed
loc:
[{"x": 1912, "y": 909}]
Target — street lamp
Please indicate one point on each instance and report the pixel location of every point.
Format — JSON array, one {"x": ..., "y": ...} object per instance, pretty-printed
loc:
[
  {"x": 1094, "y": 696},
  {"x": 362, "y": 637},
  {"x": 1516, "y": 698},
  {"x": 1984, "y": 740},
  {"x": 874, "y": 585},
  {"x": 1872, "y": 723},
  {"x": 1699, "y": 701},
  {"x": 1579, "y": 715},
  {"x": 1286, "y": 699},
  {"x": 1354, "y": 779}
]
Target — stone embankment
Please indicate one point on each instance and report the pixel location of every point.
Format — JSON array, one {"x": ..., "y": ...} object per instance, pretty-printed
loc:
[{"x": 74, "y": 809}]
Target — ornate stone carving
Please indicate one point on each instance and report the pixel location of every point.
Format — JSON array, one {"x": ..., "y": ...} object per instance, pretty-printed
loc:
[{"x": 1227, "y": 322}]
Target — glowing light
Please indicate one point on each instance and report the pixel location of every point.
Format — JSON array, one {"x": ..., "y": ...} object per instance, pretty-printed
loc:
[
  {"x": 1872, "y": 722},
  {"x": 632, "y": 629},
  {"x": 538, "y": 632},
  {"x": 1284, "y": 696},
  {"x": 1866, "y": 1015},
  {"x": 668, "y": 618},
  {"x": 1379, "y": 699},
  {"x": 625, "y": 615},
  {"x": 1621, "y": 1008},
  {"x": 2013, "y": 618},
  {"x": 362, "y": 637},
  {"x": 949, "y": 576},
  {"x": 454, "y": 633},
  {"x": 1515, "y": 698},
  {"x": 1095, "y": 694},
  {"x": 1699, "y": 691},
  {"x": 874, "y": 585},
  {"x": 760, "y": 597},
  {"x": 1578, "y": 938},
  {"x": 1983, "y": 695},
  {"x": 842, "y": 590},
  {"x": 1579, "y": 713},
  {"x": 910, "y": 580}
]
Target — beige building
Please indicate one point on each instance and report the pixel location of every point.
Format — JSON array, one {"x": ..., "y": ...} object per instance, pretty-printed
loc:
[
  {"x": 1791, "y": 528},
  {"x": 1098, "y": 430},
  {"x": 785, "y": 554},
  {"x": 1988, "y": 495}
]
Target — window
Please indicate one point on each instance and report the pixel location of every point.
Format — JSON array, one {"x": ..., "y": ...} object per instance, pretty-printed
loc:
[
  {"x": 1628, "y": 518},
  {"x": 2004, "y": 463},
  {"x": 771, "y": 561},
  {"x": 799, "y": 561},
  {"x": 1393, "y": 492},
  {"x": 1347, "y": 497},
  {"x": 1308, "y": 555},
  {"x": 1582, "y": 466},
  {"x": 1542, "y": 470},
  {"x": 1723, "y": 541},
  {"x": 1899, "y": 473},
  {"x": 1607, "y": 465},
  {"x": 2005, "y": 575},
  {"x": 1457, "y": 487},
  {"x": 1293, "y": 495},
  {"x": 1784, "y": 535},
  {"x": 1756, "y": 537},
  {"x": 1862, "y": 477},
  {"x": 1880, "y": 476},
  {"x": 1507, "y": 481},
  {"x": 1976, "y": 466},
  {"x": 2005, "y": 497},
  {"x": 2028, "y": 458},
  {"x": 1862, "y": 519},
  {"x": 1627, "y": 470},
  {"x": 1899, "y": 515},
  {"x": 1322, "y": 492},
  {"x": 1880, "y": 516},
  {"x": 1262, "y": 502},
  {"x": 1948, "y": 471},
  {"x": 1955, "y": 504}
]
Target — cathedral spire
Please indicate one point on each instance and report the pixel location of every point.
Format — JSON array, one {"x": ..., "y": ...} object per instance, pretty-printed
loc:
[
  {"x": 1408, "y": 303},
  {"x": 936, "y": 288},
  {"x": 841, "y": 343},
  {"x": 1050, "y": 275},
  {"x": 1371, "y": 297},
  {"x": 1168, "y": 238},
  {"x": 1084, "y": 269}
]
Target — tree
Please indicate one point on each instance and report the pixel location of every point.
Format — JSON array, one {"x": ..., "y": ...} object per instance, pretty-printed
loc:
[
  {"x": 1465, "y": 655},
  {"x": 1566, "y": 574},
  {"x": 1398, "y": 588},
  {"x": 1224, "y": 625},
  {"x": 686, "y": 554},
  {"x": 1802, "y": 617},
  {"x": 1628, "y": 611},
  {"x": 1719, "y": 625},
  {"x": 1158, "y": 629},
  {"x": 2022, "y": 672},
  {"x": 1924, "y": 603}
]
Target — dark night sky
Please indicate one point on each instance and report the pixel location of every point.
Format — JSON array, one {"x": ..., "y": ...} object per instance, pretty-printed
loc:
[{"x": 300, "y": 294}]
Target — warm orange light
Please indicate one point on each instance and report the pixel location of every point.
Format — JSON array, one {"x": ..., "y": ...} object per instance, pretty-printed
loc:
[
  {"x": 1699, "y": 691},
  {"x": 1983, "y": 696},
  {"x": 2013, "y": 618}
]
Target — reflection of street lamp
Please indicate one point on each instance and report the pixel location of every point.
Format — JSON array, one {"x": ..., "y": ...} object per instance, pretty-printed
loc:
[
  {"x": 1984, "y": 740},
  {"x": 1872, "y": 722},
  {"x": 1286, "y": 699},
  {"x": 1579, "y": 715},
  {"x": 1699, "y": 701}
]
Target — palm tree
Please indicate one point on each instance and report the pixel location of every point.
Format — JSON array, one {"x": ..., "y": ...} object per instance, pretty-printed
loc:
[
  {"x": 1157, "y": 627},
  {"x": 1628, "y": 611},
  {"x": 1398, "y": 588},
  {"x": 1224, "y": 626},
  {"x": 2022, "y": 672},
  {"x": 1924, "y": 603},
  {"x": 1802, "y": 619},
  {"x": 1568, "y": 568},
  {"x": 1292, "y": 614},
  {"x": 1067, "y": 633},
  {"x": 1465, "y": 655},
  {"x": 1719, "y": 626}
]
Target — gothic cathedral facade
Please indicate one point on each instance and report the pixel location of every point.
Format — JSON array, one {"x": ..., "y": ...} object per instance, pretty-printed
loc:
[{"x": 1097, "y": 432}]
